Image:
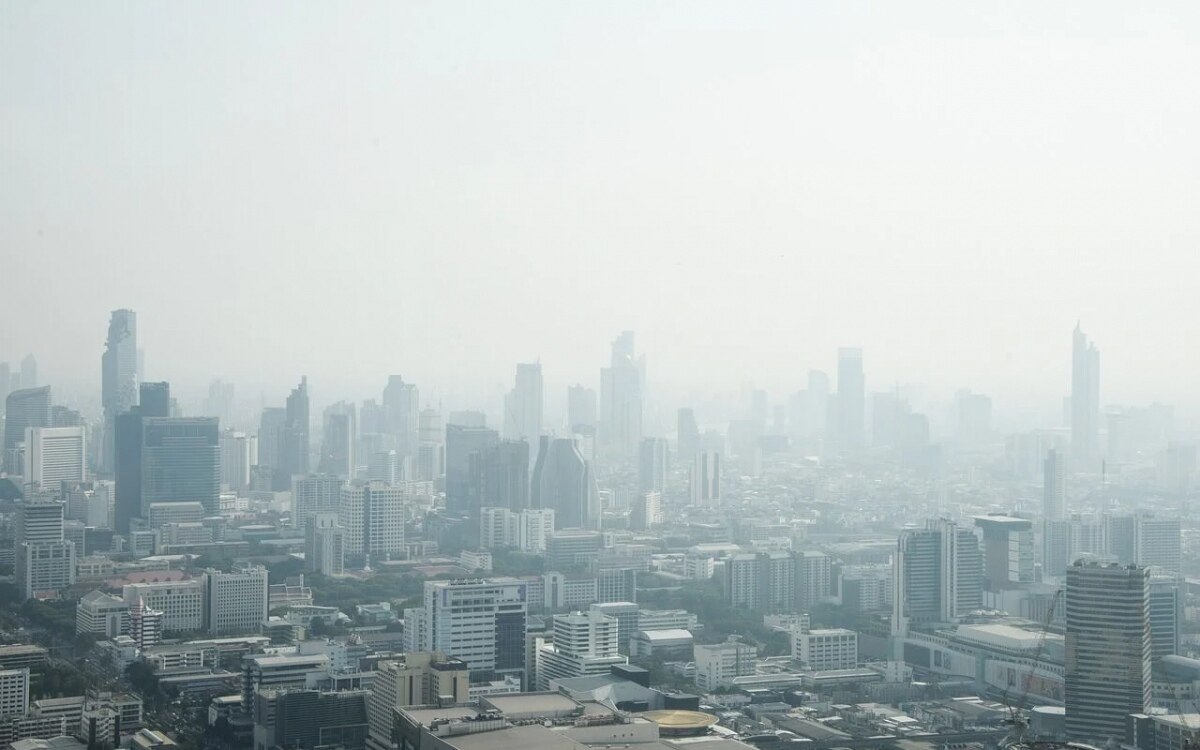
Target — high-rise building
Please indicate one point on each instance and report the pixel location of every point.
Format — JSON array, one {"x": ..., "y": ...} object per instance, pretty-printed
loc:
[
  {"x": 1007, "y": 551},
  {"x": 851, "y": 399},
  {"x": 29, "y": 372},
  {"x": 118, "y": 376},
  {"x": 583, "y": 644},
  {"x": 239, "y": 453},
  {"x": 181, "y": 602},
  {"x": 687, "y": 433},
  {"x": 14, "y": 692},
  {"x": 564, "y": 482},
  {"x": 294, "y": 454},
  {"x": 652, "y": 465},
  {"x": 480, "y": 621},
  {"x": 25, "y": 408},
  {"x": 1108, "y": 649},
  {"x": 271, "y": 428},
  {"x": 704, "y": 483},
  {"x": 421, "y": 679},
  {"x": 325, "y": 544},
  {"x": 401, "y": 409},
  {"x": 338, "y": 439},
  {"x": 581, "y": 407},
  {"x": 501, "y": 475},
  {"x": 523, "y": 406},
  {"x": 1085, "y": 400},
  {"x": 219, "y": 403},
  {"x": 461, "y": 443},
  {"x": 431, "y": 450},
  {"x": 154, "y": 401},
  {"x": 372, "y": 513},
  {"x": 236, "y": 602},
  {"x": 1166, "y": 615},
  {"x": 181, "y": 462},
  {"x": 304, "y": 718},
  {"x": 939, "y": 574},
  {"x": 315, "y": 493},
  {"x": 646, "y": 511},
  {"x": 45, "y": 561},
  {"x": 54, "y": 455},
  {"x": 1157, "y": 543},
  {"x": 1054, "y": 486},
  {"x": 621, "y": 397}
]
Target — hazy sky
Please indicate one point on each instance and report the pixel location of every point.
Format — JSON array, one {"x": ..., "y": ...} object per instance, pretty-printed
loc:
[{"x": 442, "y": 189}]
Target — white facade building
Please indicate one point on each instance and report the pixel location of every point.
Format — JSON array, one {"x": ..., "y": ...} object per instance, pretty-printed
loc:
[
  {"x": 826, "y": 648},
  {"x": 237, "y": 602}
]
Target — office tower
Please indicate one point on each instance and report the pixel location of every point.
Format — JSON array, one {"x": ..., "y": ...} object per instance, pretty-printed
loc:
[
  {"x": 401, "y": 409},
  {"x": 646, "y": 511},
  {"x": 461, "y": 443},
  {"x": 293, "y": 459},
  {"x": 851, "y": 399},
  {"x": 581, "y": 407},
  {"x": 583, "y": 644},
  {"x": 236, "y": 602},
  {"x": 621, "y": 398},
  {"x": 1157, "y": 543},
  {"x": 687, "y": 433},
  {"x": 704, "y": 483},
  {"x": 54, "y": 455},
  {"x": 1007, "y": 551},
  {"x": 939, "y": 574},
  {"x": 315, "y": 493},
  {"x": 337, "y": 440},
  {"x": 25, "y": 408},
  {"x": 564, "y": 482},
  {"x": 181, "y": 462},
  {"x": 480, "y": 621},
  {"x": 501, "y": 475},
  {"x": 45, "y": 561},
  {"x": 372, "y": 513},
  {"x": 181, "y": 602},
  {"x": 384, "y": 466},
  {"x": 271, "y": 428},
  {"x": 1166, "y": 613},
  {"x": 523, "y": 406},
  {"x": 309, "y": 718},
  {"x": 431, "y": 450},
  {"x": 29, "y": 372},
  {"x": 219, "y": 403},
  {"x": 239, "y": 453},
  {"x": 1054, "y": 486},
  {"x": 154, "y": 401},
  {"x": 1085, "y": 400},
  {"x": 652, "y": 465},
  {"x": 974, "y": 417},
  {"x": 14, "y": 693},
  {"x": 324, "y": 544},
  {"x": 118, "y": 376},
  {"x": 1108, "y": 649}
]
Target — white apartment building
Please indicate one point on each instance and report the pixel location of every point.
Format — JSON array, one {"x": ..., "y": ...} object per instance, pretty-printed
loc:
[{"x": 372, "y": 513}]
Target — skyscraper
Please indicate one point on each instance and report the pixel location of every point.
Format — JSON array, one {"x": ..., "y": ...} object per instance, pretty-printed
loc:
[
  {"x": 851, "y": 399},
  {"x": 461, "y": 443},
  {"x": 501, "y": 475},
  {"x": 621, "y": 398},
  {"x": 1085, "y": 400},
  {"x": 1054, "y": 486},
  {"x": 704, "y": 483},
  {"x": 324, "y": 544},
  {"x": 687, "y": 433},
  {"x": 239, "y": 452},
  {"x": 652, "y": 465},
  {"x": 481, "y": 622},
  {"x": 118, "y": 376},
  {"x": 338, "y": 439},
  {"x": 45, "y": 561},
  {"x": 523, "y": 406},
  {"x": 271, "y": 428},
  {"x": 294, "y": 454},
  {"x": 315, "y": 493},
  {"x": 181, "y": 459},
  {"x": 402, "y": 408},
  {"x": 563, "y": 481},
  {"x": 1108, "y": 649},
  {"x": 372, "y": 513},
  {"x": 939, "y": 574},
  {"x": 54, "y": 455},
  {"x": 154, "y": 401},
  {"x": 25, "y": 408},
  {"x": 581, "y": 407}
]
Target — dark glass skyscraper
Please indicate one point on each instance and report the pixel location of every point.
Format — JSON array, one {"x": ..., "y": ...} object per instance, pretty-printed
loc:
[
  {"x": 154, "y": 401},
  {"x": 502, "y": 475},
  {"x": 181, "y": 462},
  {"x": 461, "y": 443},
  {"x": 294, "y": 453},
  {"x": 563, "y": 481}
]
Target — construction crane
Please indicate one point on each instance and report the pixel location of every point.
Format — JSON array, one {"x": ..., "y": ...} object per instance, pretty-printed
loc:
[{"x": 1016, "y": 712}]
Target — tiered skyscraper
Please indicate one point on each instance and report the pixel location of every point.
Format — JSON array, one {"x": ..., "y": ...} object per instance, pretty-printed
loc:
[
  {"x": 1085, "y": 400},
  {"x": 118, "y": 378}
]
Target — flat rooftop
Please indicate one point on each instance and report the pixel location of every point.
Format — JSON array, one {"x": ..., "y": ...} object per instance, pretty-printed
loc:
[{"x": 518, "y": 704}]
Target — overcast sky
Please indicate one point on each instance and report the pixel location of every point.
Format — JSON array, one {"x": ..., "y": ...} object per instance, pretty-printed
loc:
[{"x": 443, "y": 189}]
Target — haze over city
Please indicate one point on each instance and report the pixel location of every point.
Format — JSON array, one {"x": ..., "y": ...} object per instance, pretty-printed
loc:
[{"x": 441, "y": 190}]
